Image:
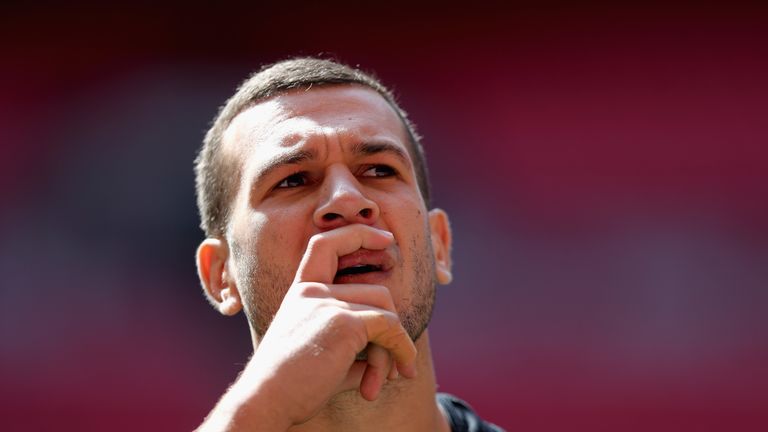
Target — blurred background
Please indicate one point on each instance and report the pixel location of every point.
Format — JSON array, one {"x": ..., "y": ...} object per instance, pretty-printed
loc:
[{"x": 604, "y": 167}]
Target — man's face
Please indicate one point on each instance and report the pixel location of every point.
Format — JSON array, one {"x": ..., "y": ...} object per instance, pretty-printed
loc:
[{"x": 314, "y": 161}]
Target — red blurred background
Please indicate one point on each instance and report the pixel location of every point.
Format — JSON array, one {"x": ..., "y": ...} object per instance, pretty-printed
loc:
[{"x": 604, "y": 167}]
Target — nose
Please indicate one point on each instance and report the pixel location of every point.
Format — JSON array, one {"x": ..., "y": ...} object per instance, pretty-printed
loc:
[{"x": 343, "y": 202}]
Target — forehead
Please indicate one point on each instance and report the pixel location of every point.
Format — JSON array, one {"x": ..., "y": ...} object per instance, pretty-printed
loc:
[{"x": 348, "y": 112}]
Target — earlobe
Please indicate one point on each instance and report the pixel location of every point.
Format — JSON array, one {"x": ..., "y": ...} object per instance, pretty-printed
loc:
[
  {"x": 441, "y": 235},
  {"x": 218, "y": 284}
]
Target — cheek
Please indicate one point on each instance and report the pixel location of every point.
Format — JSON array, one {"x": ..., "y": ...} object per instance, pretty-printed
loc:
[
  {"x": 407, "y": 218},
  {"x": 414, "y": 211},
  {"x": 252, "y": 229},
  {"x": 285, "y": 234}
]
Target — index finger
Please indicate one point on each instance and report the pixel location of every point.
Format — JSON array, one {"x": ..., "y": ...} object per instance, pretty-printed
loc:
[{"x": 321, "y": 259}]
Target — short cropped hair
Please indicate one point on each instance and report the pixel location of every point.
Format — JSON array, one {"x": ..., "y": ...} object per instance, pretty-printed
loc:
[{"x": 216, "y": 180}]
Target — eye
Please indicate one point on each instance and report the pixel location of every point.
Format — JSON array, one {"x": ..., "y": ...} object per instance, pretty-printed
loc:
[
  {"x": 379, "y": 171},
  {"x": 293, "y": 180}
]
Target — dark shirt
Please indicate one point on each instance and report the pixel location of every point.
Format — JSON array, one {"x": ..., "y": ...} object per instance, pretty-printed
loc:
[{"x": 462, "y": 417}]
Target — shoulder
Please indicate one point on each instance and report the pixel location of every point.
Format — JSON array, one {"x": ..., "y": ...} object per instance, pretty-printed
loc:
[{"x": 462, "y": 417}]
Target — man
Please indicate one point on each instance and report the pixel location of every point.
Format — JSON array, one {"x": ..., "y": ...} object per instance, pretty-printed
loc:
[{"x": 313, "y": 194}]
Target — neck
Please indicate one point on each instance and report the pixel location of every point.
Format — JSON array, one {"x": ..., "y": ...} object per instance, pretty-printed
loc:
[{"x": 403, "y": 404}]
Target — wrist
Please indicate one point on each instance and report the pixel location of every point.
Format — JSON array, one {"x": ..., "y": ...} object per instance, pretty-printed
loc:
[{"x": 248, "y": 405}]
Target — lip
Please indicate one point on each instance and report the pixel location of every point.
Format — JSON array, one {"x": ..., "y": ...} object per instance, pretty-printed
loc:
[{"x": 380, "y": 258}]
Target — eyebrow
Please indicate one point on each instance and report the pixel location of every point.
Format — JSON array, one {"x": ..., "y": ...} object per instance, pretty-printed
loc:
[
  {"x": 372, "y": 148},
  {"x": 289, "y": 158},
  {"x": 299, "y": 156}
]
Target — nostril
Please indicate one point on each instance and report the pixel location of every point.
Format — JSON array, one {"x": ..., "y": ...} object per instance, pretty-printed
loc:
[
  {"x": 366, "y": 213},
  {"x": 328, "y": 217}
]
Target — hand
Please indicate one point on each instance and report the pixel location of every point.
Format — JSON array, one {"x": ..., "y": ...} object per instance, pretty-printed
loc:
[{"x": 307, "y": 355}]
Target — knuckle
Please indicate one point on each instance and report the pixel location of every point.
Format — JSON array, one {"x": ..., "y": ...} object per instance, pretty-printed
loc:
[
  {"x": 311, "y": 289},
  {"x": 386, "y": 324},
  {"x": 346, "y": 326},
  {"x": 395, "y": 336},
  {"x": 317, "y": 242},
  {"x": 344, "y": 321}
]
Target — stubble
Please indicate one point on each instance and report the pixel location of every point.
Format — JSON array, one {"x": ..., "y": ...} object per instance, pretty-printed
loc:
[{"x": 263, "y": 285}]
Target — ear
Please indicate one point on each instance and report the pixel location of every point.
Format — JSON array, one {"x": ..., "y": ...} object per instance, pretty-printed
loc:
[
  {"x": 218, "y": 284},
  {"x": 441, "y": 245}
]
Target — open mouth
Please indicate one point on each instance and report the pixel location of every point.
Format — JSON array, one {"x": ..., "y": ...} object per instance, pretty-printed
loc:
[
  {"x": 363, "y": 266},
  {"x": 358, "y": 269}
]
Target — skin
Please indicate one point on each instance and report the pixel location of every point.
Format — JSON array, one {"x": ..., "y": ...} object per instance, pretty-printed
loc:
[{"x": 326, "y": 181}]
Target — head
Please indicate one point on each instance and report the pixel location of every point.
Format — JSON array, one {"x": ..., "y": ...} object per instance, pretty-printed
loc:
[
  {"x": 303, "y": 147},
  {"x": 216, "y": 177}
]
